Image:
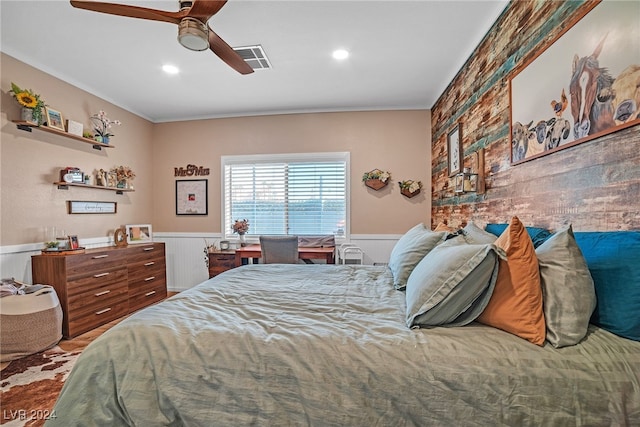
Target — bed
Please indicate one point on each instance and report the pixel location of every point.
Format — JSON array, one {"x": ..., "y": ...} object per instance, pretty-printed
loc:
[{"x": 329, "y": 345}]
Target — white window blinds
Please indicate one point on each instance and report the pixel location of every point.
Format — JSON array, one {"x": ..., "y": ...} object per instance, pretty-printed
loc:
[{"x": 303, "y": 194}]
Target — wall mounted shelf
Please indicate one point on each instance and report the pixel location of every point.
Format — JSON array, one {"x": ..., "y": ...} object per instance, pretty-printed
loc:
[
  {"x": 65, "y": 186},
  {"x": 27, "y": 126}
]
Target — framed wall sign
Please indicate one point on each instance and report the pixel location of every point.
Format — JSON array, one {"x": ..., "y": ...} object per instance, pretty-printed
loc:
[
  {"x": 192, "y": 197},
  {"x": 454, "y": 150},
  {"x": 88, "y": 207}
]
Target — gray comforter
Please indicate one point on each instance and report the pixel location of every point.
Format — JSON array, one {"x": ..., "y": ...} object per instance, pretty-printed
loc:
[{"x": 327, "y": 345}]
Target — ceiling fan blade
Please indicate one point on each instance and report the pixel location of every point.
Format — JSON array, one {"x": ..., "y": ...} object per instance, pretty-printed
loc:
[
  {"x": 227, "y": 54},
  {"x": 131, "y": 11},
  {"x": 205, "y": 9}
]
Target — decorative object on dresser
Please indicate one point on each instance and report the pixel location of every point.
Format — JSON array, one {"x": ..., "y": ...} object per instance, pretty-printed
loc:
[
  {"x": 410, "y": 188},
  {"x": 139, "y": 233},
  {"x": 376, "y": 179},
  {"x": 103, "y": 284},
  {"x": 120, "y": 237}
]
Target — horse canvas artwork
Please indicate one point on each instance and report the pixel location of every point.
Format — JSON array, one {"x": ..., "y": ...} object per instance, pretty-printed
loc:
[{"x": 585, "y": 85}]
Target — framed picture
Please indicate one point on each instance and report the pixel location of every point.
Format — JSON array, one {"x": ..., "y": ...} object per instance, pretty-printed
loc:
[
  {"x": 581, "y": 87},
  {"x": 454, "y": 150},
  {"x": 192, "y": 197},
  {"x": 139, "y": 233},
  {"x": 54, "y": 119},
  {"x": 73, "y": 242}
]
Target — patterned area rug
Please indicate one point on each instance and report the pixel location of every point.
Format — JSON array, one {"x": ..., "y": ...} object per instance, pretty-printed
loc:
[{"x": 30, "y": 386}]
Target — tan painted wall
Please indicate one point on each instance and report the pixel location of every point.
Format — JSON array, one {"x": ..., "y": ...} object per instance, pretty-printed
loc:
[
  {"x": 30, "y": 162},
  {"x": 396, "y": 141}
]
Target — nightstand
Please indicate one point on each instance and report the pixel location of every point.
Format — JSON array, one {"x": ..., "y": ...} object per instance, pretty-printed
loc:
[{"x": 221, "y": 261}]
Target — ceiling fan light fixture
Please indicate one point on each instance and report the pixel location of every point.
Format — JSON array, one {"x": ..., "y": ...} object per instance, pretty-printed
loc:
[{"x": 193, "y": 34}]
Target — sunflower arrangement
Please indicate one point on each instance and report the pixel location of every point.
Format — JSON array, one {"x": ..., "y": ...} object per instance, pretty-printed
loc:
[{"x": 28, "y": 99}]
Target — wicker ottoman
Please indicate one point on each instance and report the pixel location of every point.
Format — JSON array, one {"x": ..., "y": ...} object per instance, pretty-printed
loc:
[{"x": 29, "y": 323}]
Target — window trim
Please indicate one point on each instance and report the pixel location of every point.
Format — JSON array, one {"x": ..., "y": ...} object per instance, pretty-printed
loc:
[{"x": 283, "y": 158}]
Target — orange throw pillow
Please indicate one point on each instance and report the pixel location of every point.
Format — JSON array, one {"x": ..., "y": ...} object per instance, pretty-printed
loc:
[{"x": 516, "y": 303}]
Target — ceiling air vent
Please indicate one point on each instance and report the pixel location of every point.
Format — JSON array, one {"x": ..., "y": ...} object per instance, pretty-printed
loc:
[{"x": 254, "y": 56}]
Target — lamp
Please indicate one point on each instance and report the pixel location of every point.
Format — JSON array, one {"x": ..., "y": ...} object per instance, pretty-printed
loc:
[
  {"x": 193, "y": 34},
  {"x": 466, "y": 182}
]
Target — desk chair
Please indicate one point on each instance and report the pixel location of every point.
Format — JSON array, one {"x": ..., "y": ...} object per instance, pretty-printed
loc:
[{"x": 279, "y": 249}]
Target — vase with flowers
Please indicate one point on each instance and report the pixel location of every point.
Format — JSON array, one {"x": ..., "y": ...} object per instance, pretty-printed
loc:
[
  {"x": 31, "y": 103},
  {"x": 124, "y": 176},
  {"x": 241, "y": 227},
  {"x": 410, "y": 188},
  {"x": 102, "y": 126},
  {"x": 376, "y": 179}
]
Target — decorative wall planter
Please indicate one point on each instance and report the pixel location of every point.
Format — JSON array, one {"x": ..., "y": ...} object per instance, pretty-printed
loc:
[
  {"x": 376, "y": 183},
  {"x": 409, "y": 194}
]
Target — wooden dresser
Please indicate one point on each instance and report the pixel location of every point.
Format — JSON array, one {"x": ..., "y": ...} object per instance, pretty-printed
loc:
[{"x": 103, "y": 284}]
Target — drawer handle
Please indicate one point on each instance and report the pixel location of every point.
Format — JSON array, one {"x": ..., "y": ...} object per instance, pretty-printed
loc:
[
  {"x": 99, "y": 256},
  {"x": 103, "y": 311},
  {"x": 148, "y": 249},
  {"x": 99, "y": 294},
  {"x": 100, "y": 275},
  {"x": 149, "y": 263},
  {"x": 148, "y": 294},
  {"x": 149, "y": 278}
]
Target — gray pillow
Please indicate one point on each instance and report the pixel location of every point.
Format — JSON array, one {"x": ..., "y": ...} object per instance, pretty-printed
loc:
[
  {"x": 476, "y": 235},
  {"x": 568, "y": 292},
  {"x": 409, "y": 250},
  {"x": 452, "y": 284}
]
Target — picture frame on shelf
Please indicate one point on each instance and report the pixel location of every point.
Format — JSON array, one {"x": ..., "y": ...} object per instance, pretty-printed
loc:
[
  {"x": 139, "y": 233},
  {"x": 74, "y": 128},
  {"x": 454, "y": 150},
  {"x": 192, "y": 197},
  {"x": 54, "y": 119}
]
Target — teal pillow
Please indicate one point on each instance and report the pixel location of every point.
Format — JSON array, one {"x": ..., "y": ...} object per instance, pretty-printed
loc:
[
  {"x": 613, "y": 259},
  {"x": 452, "y": 285},
  {"x": 568, "y": 293},
  {"x": 409, "y": 251},
  {"x": 538, "y": 235}
]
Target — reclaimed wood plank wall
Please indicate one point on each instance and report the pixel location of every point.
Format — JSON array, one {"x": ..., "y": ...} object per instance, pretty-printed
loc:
[{"x": 595, "y": 185}]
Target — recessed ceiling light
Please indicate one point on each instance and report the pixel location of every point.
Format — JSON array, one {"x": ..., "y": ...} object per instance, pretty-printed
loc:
[
  {"x": 340, "y": 54},
  {"x": 170, "y": 69}
]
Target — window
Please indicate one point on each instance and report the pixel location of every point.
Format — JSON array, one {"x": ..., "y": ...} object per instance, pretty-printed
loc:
[{"x": 302, "y": 194}]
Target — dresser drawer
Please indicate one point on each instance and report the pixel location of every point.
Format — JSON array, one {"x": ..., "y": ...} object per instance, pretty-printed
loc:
[
  {"x": 152, "y": 252},
  {"x": 78, "y": 265},
  {"x": 89, "y": 319},
  {"x": 147, "y": 295},
  {"x": 87, "y": 284},
  {"x": 146, "y": 274},
  {"x": 94, "y": 293}
]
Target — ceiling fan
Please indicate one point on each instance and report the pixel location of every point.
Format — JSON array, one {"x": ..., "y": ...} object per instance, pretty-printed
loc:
[{"x": 193, "y": 31}]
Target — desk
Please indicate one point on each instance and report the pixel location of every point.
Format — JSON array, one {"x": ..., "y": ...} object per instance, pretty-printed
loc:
[{"x": 254, "y": 251}]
